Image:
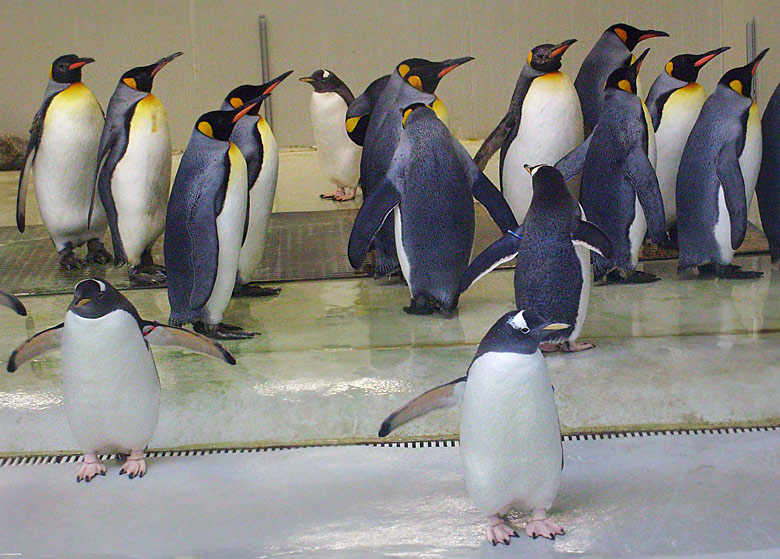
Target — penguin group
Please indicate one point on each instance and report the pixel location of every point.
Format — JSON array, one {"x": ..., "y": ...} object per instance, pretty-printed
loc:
[{"x": 678, "y": 168}]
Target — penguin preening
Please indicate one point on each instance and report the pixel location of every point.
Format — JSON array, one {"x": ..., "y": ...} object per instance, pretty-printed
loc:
[
  {"x": 134, "y": 171},
  {"x": 339, "y": 156},
  {"x": 768, "y": 185},
  {"x": 256, "y": 142},
  {"x": 717, "y": 177},
  {"x": 611, "y": 51},
  {"x": 429, "y": 189},
  {"x": 62, "y": 157},
  {"x": 206, "y": 224},
  {"x": 358, "y": 115},
  {"x": 510, "y": 438},
  {"x": 543, "y": 123},
  {"x": 111, "y": 390},
  {"x": 553, "y": 273},
  {"x": 674, "y": 103}
]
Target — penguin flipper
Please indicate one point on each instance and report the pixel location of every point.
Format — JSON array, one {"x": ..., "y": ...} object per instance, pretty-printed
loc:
[
  {"x": 591, "y": 236},
  {"x": 642, "y": 177},
  {"x": 369, "y": 220},
  {"x": 203, "y": 253},
  {"x": 495, "y": 140},
  {"x": 36, "y": 130},
  {"x": 8, "y": 300},
  {"x": 730, "y": 176},
  {"x": 488, "y": 195},
  {"x": 501, "y": 251},
  {"x": 166, "y": 335},
  {"x": 39, "y": 344},
  {"x": 572, "y": 163},
  {"x": 444, "y": 396},
  {"x": 113, "y": 144}
]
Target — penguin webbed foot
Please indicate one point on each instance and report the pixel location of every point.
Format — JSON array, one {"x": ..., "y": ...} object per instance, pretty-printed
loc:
[
  {"x": 566, "y": 347},
  {"x": 91, "y": 467},
  {"x": 97, "y": 253},
  {"x": 255, "y": 289},
  {"x": 69, "y": 260},
  {"x": 727, "y": 271},
  {"x": 425, "y": 305},
  {"x": 142, "y": 275},
  {"x": 628, "y": 278},
  {"x": 135, "y": 466},
  {"x": 543, "y": 527},
  {"x": 223, "y": 331},
  {"x": 500, "y": 531}
]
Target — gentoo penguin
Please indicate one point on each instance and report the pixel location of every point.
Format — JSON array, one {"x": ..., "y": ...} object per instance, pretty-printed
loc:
[
  {"x": 254, "y": 138},
  {"x": 717, "y": 177},
  {"x": 11, "y": 302},
  {"x": 413, "y": 80},
  {"x": 552, "y": 275},
  {"x": 619, "y": 189},
  {"x": 62, "y": 156},
  {"x": 338, "y": 155},
  {"x": 206, "y": 224},
  {"x": 134, "y": 173},
  {"x": 768, "y": 186},
  {"x": 674, "y": 102},
  {"x": 111, "y": 388},
  {"x": 611, "y": 51},
  {"x": 543, "y": 123},
  {"x": 510, "y": 438},
  {"x": 429, "y": 188}
]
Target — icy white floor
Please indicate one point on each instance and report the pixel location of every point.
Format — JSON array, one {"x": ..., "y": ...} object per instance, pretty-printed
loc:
[{"x": 683, "y": 496}]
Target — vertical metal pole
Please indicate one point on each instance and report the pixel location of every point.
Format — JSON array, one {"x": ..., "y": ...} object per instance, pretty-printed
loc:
[
  {"x": 264, "y": 63},
  {"x": 752, "y": 51}
]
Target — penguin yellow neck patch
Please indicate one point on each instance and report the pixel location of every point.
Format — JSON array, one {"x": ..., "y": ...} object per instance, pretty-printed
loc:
[
  {"x": 206, "y": 129},
  {"x": 625, "y": 85},
  {"x": 130, "y": 82},
  {"x": 352, "y": 123},
  {"x": 736, "y": 85},
  {"x": 407, "y": 112}
]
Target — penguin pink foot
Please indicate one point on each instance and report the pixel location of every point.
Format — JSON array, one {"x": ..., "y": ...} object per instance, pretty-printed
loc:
[
  {"x": 500, "y": 531},
  {"x": 540, "y": 525},
  {"x": 333, "y": 195},
  {"x": 566, "y": 347},
  {"x": 91, "y": 467},
  {"x": 135, "y": 466},
  {"x": 345, "y": 195}
]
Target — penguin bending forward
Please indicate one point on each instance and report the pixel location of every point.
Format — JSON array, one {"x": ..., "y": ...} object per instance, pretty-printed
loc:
[
  {"x": 768, "y": 185},
  {"x": 206, "y": 224},
  {"x": 717, "y": 177},
  {"x": 429, "y": 189},
  {"x": 111, "y": 390},
  {"x": 62, "y": 157},
  {"x": 552, "y": 274},
  {"x": 134, "y": 171},
  {"x": 510, "y": 438},
  {"x": 254, "y": 138},
  {"x": 339, "y": 156}
]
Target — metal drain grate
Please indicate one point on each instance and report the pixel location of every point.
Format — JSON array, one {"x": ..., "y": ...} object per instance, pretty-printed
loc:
[{"x": 35, "y": 460}]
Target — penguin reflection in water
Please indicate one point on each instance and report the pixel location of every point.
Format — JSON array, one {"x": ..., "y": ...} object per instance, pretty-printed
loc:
[
  {"x": 206, "y": 225},
  {"x": 111, "y": 390},
  {"x": 510, "y": 438},
  {"x": 62, "y": 157}
]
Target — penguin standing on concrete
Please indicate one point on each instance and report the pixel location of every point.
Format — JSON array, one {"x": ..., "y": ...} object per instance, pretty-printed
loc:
[
  {"x": 339, "y": 156},
  {"x": 134, "y": 173},
  {"x": 510, "y": 438},
  {"x": 429, "y": 189},
  {"x": 62, "y": 156},
  {"x": 768, "y": 186},
  {"x": 552, "y": 275},
  {"x": 543, "y": 123},
  {"x": 111, "y": 387},
  {"x": 254, "y": 138},
  {"x": 674, "y": 102},
  {"x": 611, "y": 51},
  {"x": 206, "y": 224},
  {"x": 717, "y": 177}
]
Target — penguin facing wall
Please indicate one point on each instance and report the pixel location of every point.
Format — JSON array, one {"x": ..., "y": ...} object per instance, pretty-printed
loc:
[{"x": 62, "y": 157}]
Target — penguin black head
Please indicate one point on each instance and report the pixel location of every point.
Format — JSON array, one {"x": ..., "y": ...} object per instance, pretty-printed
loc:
[
  {"x": 141, "y": 78},
  {"x": 67, "y": 68},
  {"x": 519, "y": 332},
  {"x": 95, "y": 297},
  {"x": 547, "y": 58},
  {"x": 544, "y": 175},
  {"x": 323, "y": 81},
  {"x": 685, "y": 67},
  {"x": 244, "y": 93},
  {"x": 425, "y": 75},
  {"x": 407, "y": 112},
  {"x": 625, "y": 77},
  {"x": 219, "y": 124},
  {"x": 631, "y": 36},
  {"x": 741, "y": 79}
]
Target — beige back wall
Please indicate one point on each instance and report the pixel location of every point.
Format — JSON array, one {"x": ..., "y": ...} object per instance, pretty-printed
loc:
[{"x": 358, "y": 40}]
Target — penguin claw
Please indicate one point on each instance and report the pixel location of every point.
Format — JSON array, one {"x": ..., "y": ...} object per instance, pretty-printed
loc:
[
  {"x": 728, "y": 271},
  {"x": 89, "y": 469},
  {"x": 254, "y": 289},
  {"x": 500, "y": 531},
  {"x": 72, "y": 262},
  {"x": 97, "y": 254},
  {"x": 135, "y": 467},
  {"x": 223, "y": 331},
  {"x": 543, "y": 527}
]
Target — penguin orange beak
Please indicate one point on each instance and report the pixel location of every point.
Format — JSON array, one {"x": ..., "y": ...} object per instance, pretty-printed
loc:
[
  {"x": 707, "y": 56},
  {"x": 81, "y": 62},
  {"x": 650, "y": 33},
  {"x": 756, "y": 60},
  {"x": 307, "y": 79},
  {"x": 558, "y": 51},
  {"x": 276, "y": 81},
  {"x": 638, "y": 61},
  {"x": 556, "y": 326},
  {"x": 247, "y": 108},
  {"x": 451, "y": 64},
  {"x": 82, "y": 302},
  {"x": 160, "y": 64}
]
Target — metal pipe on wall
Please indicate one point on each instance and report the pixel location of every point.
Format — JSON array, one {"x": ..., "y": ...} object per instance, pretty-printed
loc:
[{"x": 264, "y": 63}]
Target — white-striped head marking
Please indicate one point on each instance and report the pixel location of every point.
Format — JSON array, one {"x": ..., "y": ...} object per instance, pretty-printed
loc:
[{"x": 518, "y": 323}]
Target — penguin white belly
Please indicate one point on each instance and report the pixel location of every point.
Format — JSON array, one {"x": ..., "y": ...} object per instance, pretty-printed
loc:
[
  {"x": 510, "y": 437},
  {"x": 110, "y": 383},
  {"x": 142, "y": 178},
  {"x": 550, "y": 127},
  {"x": 230, "y": 230},
  {"x": 64, "y": 167},
  {"x": 403, "y": 260},
  {"x": 750, "y": 160},
  {"x": 339, "y": 156},
  {"x": 723, "y": 229},
  {"x": 583, "y": 255},
  {"x": 636, "y": 232},
  {"x": 261, "y": 204}
]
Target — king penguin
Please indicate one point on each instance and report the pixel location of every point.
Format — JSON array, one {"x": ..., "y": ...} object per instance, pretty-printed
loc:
[
  {"x": 674, "y": 102},
  {"x": 552, "y": 274},
  {"x": 717, "y": 177},
  {"x": 253, "y": 136},
  {"x": 134, "y": 173},
  {"x": 611, "y": 51},
  {"x": 206, "y": 224},
  {"x": 339, "y": 156},
  {"x": 768, "y": 186},
  {"x": 62, "y": 157},
  {"x": 510, "y": 438},
  {"x": 543, "y": 123},
  {"x": 429, "y": 189},
  {"x": 111, "y": 388}
]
